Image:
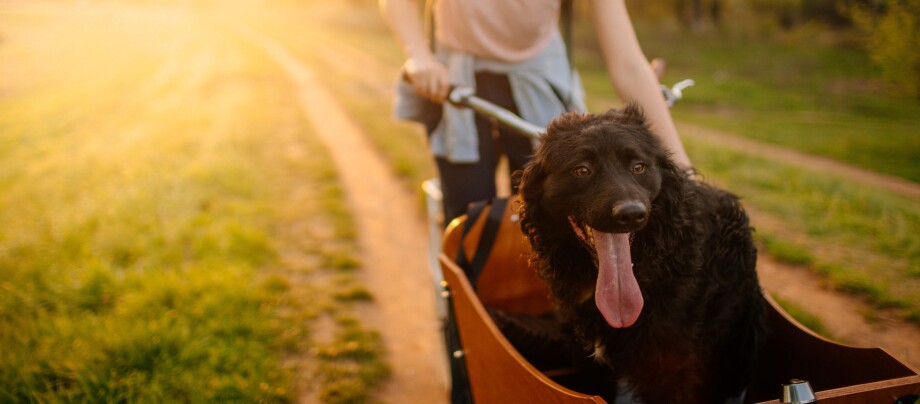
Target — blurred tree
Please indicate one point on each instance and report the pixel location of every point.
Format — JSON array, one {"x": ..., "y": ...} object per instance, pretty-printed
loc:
[
  {"x": 826, "y": 11},
  {"x": 892, "y": 38},
  {"x": 784, "y": 12},
  {"x": 789, "y": 14},
  {"x": 698, "y": 15}
]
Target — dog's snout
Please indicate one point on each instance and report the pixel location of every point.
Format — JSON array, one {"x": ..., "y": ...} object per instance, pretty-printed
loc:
[{"x": 630, "y": 213}]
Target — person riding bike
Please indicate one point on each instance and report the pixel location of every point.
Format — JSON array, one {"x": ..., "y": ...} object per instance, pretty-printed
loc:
[{"x": 511, "y": 53}]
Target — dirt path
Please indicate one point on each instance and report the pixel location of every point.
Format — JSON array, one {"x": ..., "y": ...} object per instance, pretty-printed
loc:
[
  {"x": 841, "y": 315},
  {"x": 818, "y": 163},
  {"x": 392, "y": 238}
]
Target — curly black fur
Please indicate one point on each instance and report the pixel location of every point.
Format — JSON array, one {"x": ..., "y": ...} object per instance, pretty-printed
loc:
[{"x": 701, "y": 326}]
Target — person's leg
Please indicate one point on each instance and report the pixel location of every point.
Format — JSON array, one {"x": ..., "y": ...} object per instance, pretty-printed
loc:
[
  {"x": 514, "y": 145},
  {"x": 462, "y": 184},
  {"x": 519, "y": 150}
]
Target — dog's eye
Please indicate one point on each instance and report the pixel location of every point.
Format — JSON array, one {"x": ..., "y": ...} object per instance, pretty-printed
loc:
[
  {"x": 582, "y": 171},
  {"x": 638, "y": 168}
]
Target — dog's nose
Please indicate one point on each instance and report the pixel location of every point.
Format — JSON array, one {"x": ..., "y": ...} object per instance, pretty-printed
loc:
[{"x": 631, "y": 213}]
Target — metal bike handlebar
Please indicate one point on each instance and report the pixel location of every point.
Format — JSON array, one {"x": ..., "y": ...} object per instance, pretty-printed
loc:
[
  {"x": 676, "y": 92},
  {"x": 465, "y": 97}
]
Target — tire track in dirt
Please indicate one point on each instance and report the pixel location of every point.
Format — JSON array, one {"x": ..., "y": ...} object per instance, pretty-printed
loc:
[
  {"x": 392, "y": 238},
  {"x": 841, "y": 315},
  {"x": 817, "y": 163}
]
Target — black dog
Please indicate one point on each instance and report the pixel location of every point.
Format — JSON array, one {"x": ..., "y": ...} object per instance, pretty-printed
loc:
[{"x": 653, "y": 272}]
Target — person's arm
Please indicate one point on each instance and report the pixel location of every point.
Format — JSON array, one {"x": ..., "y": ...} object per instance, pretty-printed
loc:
[
  {"x": 428, "y": 76},
  {"x": 631, "y": 74}
]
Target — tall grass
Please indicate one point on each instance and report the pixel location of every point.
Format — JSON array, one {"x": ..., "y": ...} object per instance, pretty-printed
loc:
[
  {"x": 145, "y": 216},
  {"x": 803, "y": 316}
]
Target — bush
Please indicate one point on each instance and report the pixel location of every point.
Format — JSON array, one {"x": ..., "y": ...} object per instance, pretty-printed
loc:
[{"x": 891, "y": 38}]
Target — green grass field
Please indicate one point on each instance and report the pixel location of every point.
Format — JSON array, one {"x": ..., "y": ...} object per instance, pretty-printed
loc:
[
  {"x": 152, "y": 245},
  {"x": 170, "y": 230}
]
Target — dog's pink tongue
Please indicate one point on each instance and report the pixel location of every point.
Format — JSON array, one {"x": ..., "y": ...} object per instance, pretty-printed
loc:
[{"x": 617, "y": 295}]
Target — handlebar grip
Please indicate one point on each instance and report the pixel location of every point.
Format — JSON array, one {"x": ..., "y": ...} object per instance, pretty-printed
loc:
[
  {"x": 465, "y": 97},
  {"x": 659, "y": 66}
]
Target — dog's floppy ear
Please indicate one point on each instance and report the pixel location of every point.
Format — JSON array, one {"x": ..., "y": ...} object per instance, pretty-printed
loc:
[
  {"x": 532, "y": 180},
  {"x": 531, "y": 194},
  {"x": 556, "y": 139}
]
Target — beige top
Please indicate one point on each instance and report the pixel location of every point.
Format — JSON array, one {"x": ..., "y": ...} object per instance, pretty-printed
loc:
[{"x": 503, "y": 30}]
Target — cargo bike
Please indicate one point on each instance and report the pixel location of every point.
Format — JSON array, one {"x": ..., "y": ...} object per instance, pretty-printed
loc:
[{"x": 479, "y": 267}]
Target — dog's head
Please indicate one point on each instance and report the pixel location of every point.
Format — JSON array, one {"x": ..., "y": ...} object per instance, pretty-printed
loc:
[{"x": 595, "y": 177}]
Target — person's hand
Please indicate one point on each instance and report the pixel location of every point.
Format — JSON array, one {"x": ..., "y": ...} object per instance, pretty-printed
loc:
[{"x": 428, "y": 77}]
